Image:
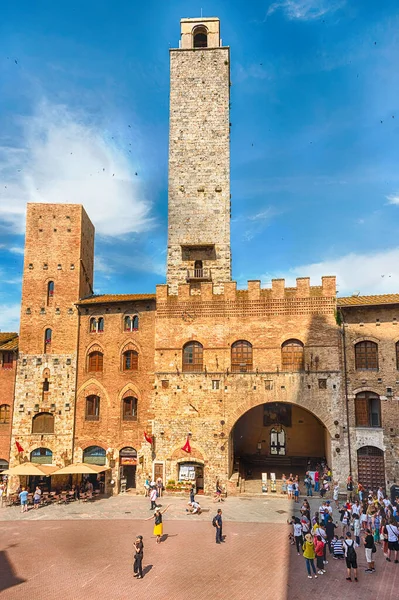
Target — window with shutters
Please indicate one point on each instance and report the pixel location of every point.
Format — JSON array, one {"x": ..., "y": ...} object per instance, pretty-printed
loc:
[
  {"x": 6, "y": 360},
  {"x": 367, "y": 410},
  {"x": 92, "y": 408},
  {"x": 192, "y": 357},
  {"x": 366, "y": 356},
  {"x": 43, "y": 423},
  {"x": 130, "y": 360},
  {"x": 292, "y": 356},
  {"x": 95, "y": 361},
  {"x": 129, "y": 408},
  {"x": 241, "y": 357},
  {"x": 4, "y": 414}
]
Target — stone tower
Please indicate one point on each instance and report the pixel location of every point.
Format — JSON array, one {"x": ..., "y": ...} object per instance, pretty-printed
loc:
[
  {"x": 58, "y": 271},
  {"x": 199, "y": 158}
]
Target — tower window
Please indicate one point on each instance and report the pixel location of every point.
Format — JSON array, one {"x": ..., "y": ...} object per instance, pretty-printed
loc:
[
  {"x": 130, "y": 360},
  {"x": 192, "y": 357},
  {"x": 131, "y": 323},
  {"x": 4, "y": 414},
  {"x": 129, "y": 408},
  {"x": 95, "y": 361},
  {"x": 92, "y": 408},
  {"x": 292, "y": 356},
  {"x": 241, "y": 357},
  {"x": 367, "y": 410},
  {"x": 366, "y": 356},
  {"x": 43, "y": 423},
  {"x": 97, "y": 325},
  {"x": 50, "y": 290},
  {"x": 200, "y": 37},
  {"x": 48, "y": 336}
]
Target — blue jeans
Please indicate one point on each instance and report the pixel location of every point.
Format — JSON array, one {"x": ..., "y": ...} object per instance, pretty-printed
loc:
[
  {"x": 310, "y": 563},
  {"x": 316, "y": 486},
  {"x": 309, "y": 490}
]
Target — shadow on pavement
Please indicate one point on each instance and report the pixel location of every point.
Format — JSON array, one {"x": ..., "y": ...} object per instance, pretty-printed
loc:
[{"x": 8, "y": 577}]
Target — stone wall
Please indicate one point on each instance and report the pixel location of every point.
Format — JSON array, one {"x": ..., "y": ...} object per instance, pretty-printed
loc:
[{"x": 7, "y": 382}]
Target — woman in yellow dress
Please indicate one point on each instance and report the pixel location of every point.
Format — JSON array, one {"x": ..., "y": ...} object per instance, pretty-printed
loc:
[{"x": 158, "y": 525}]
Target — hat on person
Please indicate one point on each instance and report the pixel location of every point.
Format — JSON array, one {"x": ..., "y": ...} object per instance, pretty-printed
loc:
[
  {"x": 328, "y": 502},
  {"x": 348, "y": 534},
  {"x": 308, "y": 537}
]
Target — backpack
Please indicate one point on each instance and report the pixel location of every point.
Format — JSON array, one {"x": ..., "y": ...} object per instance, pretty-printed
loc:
[
  {"x": 214, "y": 521},
  {"x": 350, "y": 553}
]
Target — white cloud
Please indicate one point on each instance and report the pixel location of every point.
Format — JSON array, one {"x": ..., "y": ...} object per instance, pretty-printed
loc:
[
  {"x": 376, "y": 273},
  {"x": 16, "y": 250},
  {"x": 9, "y": 317},
  {"x": 393, "y": 199},
  {"x": 305, "y": 10},
  {"x": 65, "y": 159}
]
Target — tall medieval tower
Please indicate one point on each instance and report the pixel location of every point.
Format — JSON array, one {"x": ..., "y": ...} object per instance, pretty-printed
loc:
[
  {"x": 58, "y": 271},
  {"x": 199, "y": 158}
]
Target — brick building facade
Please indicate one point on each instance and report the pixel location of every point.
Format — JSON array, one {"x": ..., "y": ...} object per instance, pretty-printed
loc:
[{"x": 256, "y": 380}]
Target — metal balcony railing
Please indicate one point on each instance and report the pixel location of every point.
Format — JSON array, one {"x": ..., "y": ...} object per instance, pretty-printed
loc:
[{"x": 199, "y": 275}]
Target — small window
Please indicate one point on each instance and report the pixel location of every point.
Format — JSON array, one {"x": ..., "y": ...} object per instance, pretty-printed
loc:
[
  {"x": 367, "y": 410},
  {"x": 200, "y": 35},
  {"x": 92, "y": 408},
  {"x": 7, "y": 360},
  {"x": 96, "y": 325},
  {"x": 366, "y": 356},
  {"x": 292, "y": 356},
  {"x": 43, "y": 423},
  {"x": 50, "y": 290},
  {"x": 46, "y": 385},
  {"x": 129, "y": 408},
  {"x": 268, "y": 384},
  {"x": 322, "y": 384},
  {"x": 95, "y": 362},
  {"x": 130, "y": 360},
  {"x": 4, "y": 414},
  {"x": 164, "y": 384},
  {"x": 100, "y": 325},
  {"x": 193, "y": 357},
  {"x": 241, "y": 357},
  {"x": 48, "y": 336},
  {"x": 215, "y": 384},
  {"x": 131, "y": 323}
]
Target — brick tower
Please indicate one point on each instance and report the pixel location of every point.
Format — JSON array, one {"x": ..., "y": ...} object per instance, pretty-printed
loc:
[
  {"x": 58, "y": 271},
  {"x": 199, "y": 158}
]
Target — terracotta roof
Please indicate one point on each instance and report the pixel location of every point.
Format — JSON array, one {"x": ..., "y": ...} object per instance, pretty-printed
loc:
[
  {"x": 107, "y": 298},
  {"x": 8, "y": 341},
  {"x": 368, "y": 300}
]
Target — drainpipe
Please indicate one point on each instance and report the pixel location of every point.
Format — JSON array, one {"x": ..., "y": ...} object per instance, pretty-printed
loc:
[{"x": 346, "y": 390}]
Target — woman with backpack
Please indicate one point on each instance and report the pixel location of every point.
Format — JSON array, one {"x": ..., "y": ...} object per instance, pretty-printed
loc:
[
  {"x": 309, "y": 555},
  {"x": 350, "y": 555}
]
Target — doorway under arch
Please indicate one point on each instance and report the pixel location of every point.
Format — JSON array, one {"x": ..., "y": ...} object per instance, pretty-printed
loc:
[
  {"x": 279, "y": 438},
  {"x": 127, "y": 463}
]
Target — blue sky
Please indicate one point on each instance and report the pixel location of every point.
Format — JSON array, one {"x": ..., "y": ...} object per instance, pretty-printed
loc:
[{"x": 314, "y": 148}]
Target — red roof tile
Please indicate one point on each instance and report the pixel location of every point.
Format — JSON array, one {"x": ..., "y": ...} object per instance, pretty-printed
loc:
[
  {"x": 368, "y": 300},
  {"x": 112, "y": 298}
]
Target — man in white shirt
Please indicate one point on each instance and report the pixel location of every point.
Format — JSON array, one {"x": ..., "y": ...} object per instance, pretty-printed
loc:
[
  {"x": 356, "y": 508},
  {"x": 380, "y": 495},
  {"x": 393, "y": 541}
]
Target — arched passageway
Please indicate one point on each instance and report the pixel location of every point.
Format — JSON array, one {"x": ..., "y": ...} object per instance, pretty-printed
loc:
[{"x": 278, "y": 438}]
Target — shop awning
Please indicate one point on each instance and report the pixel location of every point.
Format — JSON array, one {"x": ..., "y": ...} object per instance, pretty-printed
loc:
[
  {"x": 29, "y": 468},
  {"x": 80, "y": 468}
]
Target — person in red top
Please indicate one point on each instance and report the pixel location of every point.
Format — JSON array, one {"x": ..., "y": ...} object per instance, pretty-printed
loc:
[
  {"x": 319, "y": 551},
  {"x": 316, "y": 481}
]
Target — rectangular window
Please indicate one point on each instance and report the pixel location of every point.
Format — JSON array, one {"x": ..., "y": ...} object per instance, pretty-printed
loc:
[
  {"x": 165, "y": 384},
  {"x": 268, "y": 384},
  {"x": 322, "y": 384},
  {"x": 92, "y": 408},
  {"x": 6, "y": 362},
  {"x": 215, "y": 384}
]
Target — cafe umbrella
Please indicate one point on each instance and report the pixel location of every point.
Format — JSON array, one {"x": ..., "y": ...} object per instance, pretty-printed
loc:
[
  {"x": 28, "y": 468},
  {"x": 80, "y": 469}
]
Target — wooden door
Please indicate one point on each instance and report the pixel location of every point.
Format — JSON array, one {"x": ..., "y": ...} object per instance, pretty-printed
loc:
[{"x": 371, "y": 468}]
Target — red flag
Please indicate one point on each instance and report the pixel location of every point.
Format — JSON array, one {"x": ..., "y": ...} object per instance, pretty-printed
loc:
[
  {"x": 19, "y": 447},
  {"x": 187, "y": 447},
  {"x": 147, "y": 438}
]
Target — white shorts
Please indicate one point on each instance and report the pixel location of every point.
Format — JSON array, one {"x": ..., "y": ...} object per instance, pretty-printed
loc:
[{"x": 369, "y": 555}]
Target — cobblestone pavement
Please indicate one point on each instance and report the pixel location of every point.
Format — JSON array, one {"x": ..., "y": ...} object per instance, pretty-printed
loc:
[{"x": 87, "y": 555}]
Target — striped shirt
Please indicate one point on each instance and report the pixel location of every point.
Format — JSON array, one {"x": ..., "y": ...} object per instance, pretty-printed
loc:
[{"x": 337, "y": 547}]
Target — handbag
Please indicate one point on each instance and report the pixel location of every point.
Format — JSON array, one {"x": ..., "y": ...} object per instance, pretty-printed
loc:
[{"x": 374, "y": 549}]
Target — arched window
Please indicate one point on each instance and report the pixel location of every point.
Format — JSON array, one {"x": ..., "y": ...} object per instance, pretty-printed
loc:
[
  {"x": 4, "y": 414},
  {"x": 130, "y": 360},
  {"x": 200, "y": 35},
  {"x": 367, "y": 410},
  {"x": 43, "y": 423},
  {"x": 41, "y": 456},
  {"x": 129, "y": 408},
  {"x": 241, "y": 357},
  {"x": 397, "y": 355},
  {"x": 48, "y": 336},
  {"x": 4, "y": 464},
  {"x": 96, "y": 325},
  {"x": 92, "y": 408},
  {"x": 192, "y": 357},
  {"x": 292, "y": 356},
  {"x": 95, "y": 362},
  {"x": 50, "y": 290},
  {"x": 366, "y": 356},
  {"x": 131, "y": 323},
  {"x": 94, "y": 455}
]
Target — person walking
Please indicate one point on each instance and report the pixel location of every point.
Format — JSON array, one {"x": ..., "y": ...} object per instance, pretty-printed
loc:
[
  {"x": 330, "y": 532},
  {"x": 158, "y": 524},
  {"x": 153, "y": 498},
  {"x": 297, "y": 534},
  {"x": 218, "y": 522},
  {"x": 192, "y": 494},
  {"x": 368, "y": 548},
  {"x": 37, "y": 497},
  {"x": 393, "y": 540},
  {"x": 23, "y": 498},
  {"x": 319, "y": 551},
  {"x": 138, "y": 557},
  {"x": 351, "y": 558},
  {"x": 309, "y": 555}
]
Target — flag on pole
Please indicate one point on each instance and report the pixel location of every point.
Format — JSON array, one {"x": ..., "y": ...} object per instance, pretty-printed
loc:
[
  {"x": 148, "y": 438},
  {"x": 19, "y": 447},
  {"x": 187, "y": 447}
]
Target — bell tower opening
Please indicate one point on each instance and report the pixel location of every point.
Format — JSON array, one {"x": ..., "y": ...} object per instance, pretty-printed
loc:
[{"x": 199, "y": 158}]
